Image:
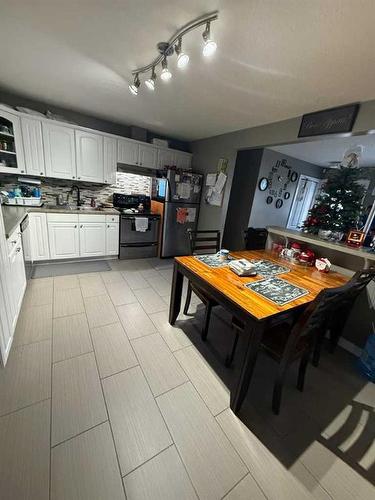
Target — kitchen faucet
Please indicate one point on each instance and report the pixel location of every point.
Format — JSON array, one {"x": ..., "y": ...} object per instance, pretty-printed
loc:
[{"x": 79, "y": 201}]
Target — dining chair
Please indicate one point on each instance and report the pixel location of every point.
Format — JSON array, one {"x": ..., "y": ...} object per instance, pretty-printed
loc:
[
  {"x": 255, "y": 238},
  {"x": 286, "y": 342},
  {"x": 202, "y": 242},
  {"x": 338, "y": 318}
]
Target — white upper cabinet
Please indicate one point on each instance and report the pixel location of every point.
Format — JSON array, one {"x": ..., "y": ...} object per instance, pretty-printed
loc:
[
  {"x": 183, "y": 160},
  {"x": 89, "y": 151},
  {"x": 148, "y": 156},
  {"x": 33, "y": 146},
  {"x": 110, "y": 160},
  {"x": 127, "y": 152},
  {"x": 12, "y": 158},
  {"x": 59, "y": 151},
  {"x": 166, "y": 158}
]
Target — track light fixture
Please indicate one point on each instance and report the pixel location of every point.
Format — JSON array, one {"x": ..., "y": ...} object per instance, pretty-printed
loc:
[
  {"x": 209, "y": 46},
  {"x": 133, "y": 87},
  {"x": 182, "y": 58},
  {"x": 165, "y": 73},
  {"x": 150, "y": 82},
  {"x": 166, "y": 49}
]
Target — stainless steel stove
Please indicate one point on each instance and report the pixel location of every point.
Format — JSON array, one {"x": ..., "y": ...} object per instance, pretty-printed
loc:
[{"x": 138, "y": 238}]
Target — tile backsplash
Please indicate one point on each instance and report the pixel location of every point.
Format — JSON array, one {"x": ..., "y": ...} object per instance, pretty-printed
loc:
[{"x": 125, "y": 183}]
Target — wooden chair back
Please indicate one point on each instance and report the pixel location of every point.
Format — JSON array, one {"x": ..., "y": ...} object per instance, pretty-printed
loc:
[
  {"x": 255, "y": 238},
  {"x": 202, "y": 242}
]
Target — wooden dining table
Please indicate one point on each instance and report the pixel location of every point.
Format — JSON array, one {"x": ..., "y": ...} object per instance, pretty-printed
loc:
[{"x": 253, "y": 310}]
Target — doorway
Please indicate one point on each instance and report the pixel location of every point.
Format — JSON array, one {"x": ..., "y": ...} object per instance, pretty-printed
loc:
[{"x": 306, "y": 192}]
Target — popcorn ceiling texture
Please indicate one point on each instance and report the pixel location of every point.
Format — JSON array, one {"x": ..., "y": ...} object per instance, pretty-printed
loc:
[{"x": 125, "y": 183}]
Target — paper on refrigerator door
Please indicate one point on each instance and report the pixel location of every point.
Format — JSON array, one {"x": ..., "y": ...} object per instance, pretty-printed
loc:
[
  {"x": 183, "y": 190},
  {"x": 191, "y": 214}
]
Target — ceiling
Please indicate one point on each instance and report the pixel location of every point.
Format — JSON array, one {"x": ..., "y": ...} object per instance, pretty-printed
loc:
[
  {"x": 275, "y": 59},
  {"x": 331, "y": 150}
]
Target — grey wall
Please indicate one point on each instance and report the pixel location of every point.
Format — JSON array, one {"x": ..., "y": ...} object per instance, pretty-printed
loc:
[
  {"x": 263, "y": 215},
  {"x": 208, "y": 151},
  {"x": 83, "y": 120}
]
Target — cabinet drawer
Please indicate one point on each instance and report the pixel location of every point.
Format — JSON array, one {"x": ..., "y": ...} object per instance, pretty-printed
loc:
[
  {"x": 62, "y": 217},
  {"x": 112, "y": 218},
  {"x": 91, "y": 218}
]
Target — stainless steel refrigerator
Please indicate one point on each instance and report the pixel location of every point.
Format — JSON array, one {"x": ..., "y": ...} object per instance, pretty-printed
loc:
[{"x": 182, "y": 194}]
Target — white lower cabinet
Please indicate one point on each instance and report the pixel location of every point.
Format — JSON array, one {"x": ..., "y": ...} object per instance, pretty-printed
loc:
[
  {"x": 63, "y": 239},
  {"x": 18, "y": 280},
  {"x": 112, "y": 238},
  {"x": 92, "y": 239},
  {"x": 39, "y": 236}
]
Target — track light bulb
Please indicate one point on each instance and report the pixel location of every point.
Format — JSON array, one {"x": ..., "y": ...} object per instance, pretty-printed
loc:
[
  {"x": 209, "y": 46},
  {"x": 182, "y": 58},
  {"x": 133, "y": 87},
  {"x": 165, "y": 74},
  {"x": 150, "y": 82}
]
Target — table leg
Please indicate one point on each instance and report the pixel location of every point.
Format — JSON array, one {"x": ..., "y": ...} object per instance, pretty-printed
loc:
[
  {"x": 176, "y": 293},
  {"x": 254, "y": 332}
]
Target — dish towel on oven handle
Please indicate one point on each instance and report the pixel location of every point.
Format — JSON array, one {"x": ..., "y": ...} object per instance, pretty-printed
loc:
[{"x": 141, "y": 224}]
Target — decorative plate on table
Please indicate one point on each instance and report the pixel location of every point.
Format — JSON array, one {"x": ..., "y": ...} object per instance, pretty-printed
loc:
[{"x": 277, "y": 290}]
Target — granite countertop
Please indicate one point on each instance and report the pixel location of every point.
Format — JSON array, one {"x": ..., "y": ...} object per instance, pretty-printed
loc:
[{"x": 14, "y": 215}]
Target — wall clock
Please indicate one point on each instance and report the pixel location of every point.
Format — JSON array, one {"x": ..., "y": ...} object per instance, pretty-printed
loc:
[
  {"x": 279, "y": 178},
  {"x": 269, "y": 200},
  {"x": 263, "y": 184},
  {"x": 293, "y": 176},
  {"x": 286, "y": 195},
  {"x": 279, "y": 203}
]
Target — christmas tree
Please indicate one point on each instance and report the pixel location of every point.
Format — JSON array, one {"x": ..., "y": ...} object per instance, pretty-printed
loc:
[{"x": 339, "y": 204}]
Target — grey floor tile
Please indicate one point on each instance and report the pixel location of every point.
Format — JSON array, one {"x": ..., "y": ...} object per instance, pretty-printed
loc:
[
  {"x": 120, "y": 293},
  {"x": 135, "y": 279},
  {"x": 92, "y": 285},
  {"x": 162, "y": 478},
  {"x": 138, "y": 427},
  {"x": 34, "y": 324},
  {"x": 260, "y": 461},
  {"x": 112, "y": 349},
  {"x": 77, "y": 399},
  {"x": 71, "y": 337},
  {"x": 150, "y": 301},
  {"x": 111, "y": 276},
  {"x": 38, "y": 294},
  {"x": 167, "y": 274},
  {"x": 100, "y": 311},
  {"x": 26, "y": 379},
  {"x": 207, "y": 383},
  {"x": 66, "y": 282},
  {"x": 135, "y": 321},
  {"x": 158, "y": 363},
  {"x": 85, "y": 468},
  {"x": 173, "y": 335},
  {"x": 246, "y": 489},
  {"x": 25, "y": 453},
  {"x": 149, "y": 273},
  {"x": 67, "y": 302},
  {"x": 159, "y": 284},
  {"x": 212, "y": 463}
]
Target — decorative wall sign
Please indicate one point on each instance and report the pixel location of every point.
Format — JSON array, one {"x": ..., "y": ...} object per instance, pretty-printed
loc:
[
  {"x": 269, "y": 200},
  {"x": 263, "y": 184},
  {"x": 329, "y": 121},
  {"x": 279, "y": 203},
  {"x": 277, "y": 290}
]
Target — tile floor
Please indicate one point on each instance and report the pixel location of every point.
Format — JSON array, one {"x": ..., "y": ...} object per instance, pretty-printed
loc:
[{"x": 103, "y": 400}]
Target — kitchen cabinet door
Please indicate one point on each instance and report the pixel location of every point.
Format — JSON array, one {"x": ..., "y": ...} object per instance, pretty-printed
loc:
[
  {"x": 59, "y": 151},
  {"x": 92, "y": 239},
  {"x": 110, "y": 160},
  {"x": 127, "y": 152},
  {"x": 33, "y": 146},
  {"x": 112, "y": 238},
  {"x": 166, "y": 158},
  {"x": 12, "y": 159},
  {"x": 63, "y": 240},
  {"x": 89, "y": 151},
  {"x": 39, "y": 236},
  {"x": 148, "y": 156},
  {"x": 183, "y": 160},
  {"x": 17, "y": 285}
]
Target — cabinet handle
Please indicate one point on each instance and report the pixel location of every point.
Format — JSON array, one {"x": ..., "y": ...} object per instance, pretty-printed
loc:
[
  {"x": 18, "y": 249},
  {"x": 73, "y": 177},
  {"x": 22, "y": 171},
  {"x": 81, "y": 225},
  {"x": 41, "y": 173},
  {"x": 14, "y": 242},
  {"x": 75, "y": 226},
  {"x": 78, "y": 177},
  {"x": 140, "y": 163},
  {"x": 107, "y": 225}
]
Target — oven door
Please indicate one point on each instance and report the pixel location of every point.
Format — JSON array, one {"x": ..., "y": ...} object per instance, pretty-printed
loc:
[{"x": 129, "y": 235}]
